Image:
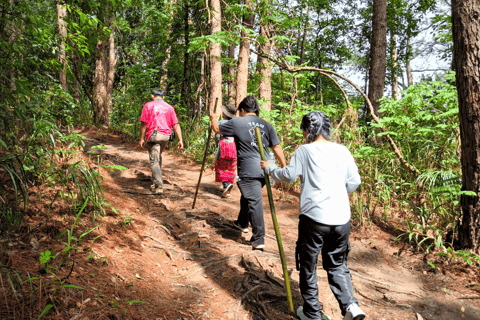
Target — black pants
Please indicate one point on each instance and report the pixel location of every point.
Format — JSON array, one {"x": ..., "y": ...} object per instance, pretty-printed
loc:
[
  {"x": 251, "y": 207},
  {"x": 333, "y": 242}
]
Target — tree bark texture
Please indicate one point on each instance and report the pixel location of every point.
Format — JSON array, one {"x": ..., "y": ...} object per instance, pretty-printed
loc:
[
  {"x": 186, "y": 60},
  {"x": 244, "y": 56},
  {"x": 100, "y": 80},
  {"x": 466, "y": 35},
  {"x": 112, "y": 62},
  {"x": 231, "y": 74},
  {"x": 215, "y": 55},
  {"x": 265, "y": 87},
  {"x": 164, "y": 75},
  {"x": 62, "y": 30},
  {"x": 378, "y": 53},
  {"x": 394, "y": 70},
  {"x": 409, "y": 68}
]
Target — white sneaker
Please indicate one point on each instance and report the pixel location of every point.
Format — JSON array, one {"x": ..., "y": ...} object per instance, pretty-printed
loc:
[
  {"x": 302, "y": 316},
  {"x": 354, "y": 312}
]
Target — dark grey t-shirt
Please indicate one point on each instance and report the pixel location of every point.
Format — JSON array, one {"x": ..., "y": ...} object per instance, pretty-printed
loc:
[{"x": 242, "y": 129}]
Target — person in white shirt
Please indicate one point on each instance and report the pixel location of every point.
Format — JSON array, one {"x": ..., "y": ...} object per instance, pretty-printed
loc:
[{"x": 328, "y": 174}]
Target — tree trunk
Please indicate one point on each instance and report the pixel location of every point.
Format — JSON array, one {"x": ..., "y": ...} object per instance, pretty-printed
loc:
[
  {"x": 244, "y": 55},
  {"x": 163, "y": 77},
  {"x": 378, "y": 53},
  {"x": 394, "y": 70},
  {"x": 76, "y": 91},
  {"x": 466, "y": 35},
  {"x": 112, "y": 62},
  {"x": 200, "y": 87},
  {"x": 265, "y": 88},
  {"x": 100, "y": 82},
  {"x": 305, "y": 29},
  {"x": 409, "y": 68},
  {"x": 185, "y": 59},
  {"x": 215, "y": 55},
  {"x": 231, "y": 74},
  {"x": 62, "y": 30}
]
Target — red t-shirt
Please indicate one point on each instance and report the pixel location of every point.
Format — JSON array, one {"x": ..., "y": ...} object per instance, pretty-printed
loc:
[{"x": 160, "y": 115}]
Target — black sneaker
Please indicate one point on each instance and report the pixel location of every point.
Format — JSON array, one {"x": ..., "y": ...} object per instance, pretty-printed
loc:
[
  {"x": 227, "y": 189},
  {"x": 239, "y": 227}
]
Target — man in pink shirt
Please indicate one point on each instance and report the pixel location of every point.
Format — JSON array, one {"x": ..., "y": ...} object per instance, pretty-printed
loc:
[{"x": 158, "y": 118}]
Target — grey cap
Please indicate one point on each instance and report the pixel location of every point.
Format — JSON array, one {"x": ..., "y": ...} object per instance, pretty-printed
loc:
[{"x": 229, "y": 110}]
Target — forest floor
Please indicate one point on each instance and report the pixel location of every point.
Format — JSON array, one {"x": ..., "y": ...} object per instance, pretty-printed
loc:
[{"x": 159, "y": 259}]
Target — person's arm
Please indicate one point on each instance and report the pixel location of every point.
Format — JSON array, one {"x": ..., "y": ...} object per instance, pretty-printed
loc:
[
  {"x": 214, "y": 123},
  {"x": 287, "y": 174},
  {"x": 352, "y": 180},
  {"x": 178, "y": 130},
  {"x": 143, "y": 130},
  {"x": 278, "y": 152}
]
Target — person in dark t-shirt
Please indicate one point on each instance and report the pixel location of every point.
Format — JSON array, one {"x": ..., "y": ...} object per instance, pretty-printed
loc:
[{"x": 250, "y": 175}]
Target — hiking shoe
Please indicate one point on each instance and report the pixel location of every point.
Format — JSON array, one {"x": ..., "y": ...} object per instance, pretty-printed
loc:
[
  {"x": 302, "y": 316},
  {"x": 256, "y": 246},
  {"x": 156, "y": 190},
  {"x": 226, "y": 190},
  {"x": 354, "y": 312},
  {"x": 239, "y": 227}
]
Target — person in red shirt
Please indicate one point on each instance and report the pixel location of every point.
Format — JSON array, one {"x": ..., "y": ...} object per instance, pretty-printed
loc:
[{"x": 158, "y": 118}]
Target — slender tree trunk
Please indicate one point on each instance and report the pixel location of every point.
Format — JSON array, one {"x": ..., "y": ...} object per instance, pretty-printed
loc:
[
  {"x": 466, "y": 35},
  {"x": 186, "y": 58},
  {"x": 231, "y": 74},
  {"x": 395, "y": 67},
  {"x": 200, "y": 87},
  {"x": 265, "y": 87},
  {"x": 11, "y": 70},
  {"x": 164, "y": 76},
  {"x": 409, "y": 68},
  {"x": 62, "y": 30},
  {"x": 76, "y": 91},
  {"x": 378, "y": 53},
  {"x": 100, "y": 84},
  {"x": 215, "y": 55},
  {"x": 244, "y": 56},
  {"x": 305, "y": 29},
  {"x": 112, "y": 63}
]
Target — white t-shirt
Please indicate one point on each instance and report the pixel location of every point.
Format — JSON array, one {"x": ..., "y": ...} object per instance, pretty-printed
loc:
[{"x": 328, "y": 174}]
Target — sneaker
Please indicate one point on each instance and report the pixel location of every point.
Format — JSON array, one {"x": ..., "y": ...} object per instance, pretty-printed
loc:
[
  {"x": 256, "y": 246},
  {"x": 226, "y": 190},
  {"x": 354, "y": 312},
  {"x": 239, "y": 227},
  {"x": 156, "y": 190},
  {"x": 302, "y": 316}
]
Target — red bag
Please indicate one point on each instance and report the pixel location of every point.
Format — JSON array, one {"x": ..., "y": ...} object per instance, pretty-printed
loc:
[{"x": 228, "y": 149}]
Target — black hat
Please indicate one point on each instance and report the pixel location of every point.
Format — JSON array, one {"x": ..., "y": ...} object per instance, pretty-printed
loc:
[{"x": 229, "y": 110}]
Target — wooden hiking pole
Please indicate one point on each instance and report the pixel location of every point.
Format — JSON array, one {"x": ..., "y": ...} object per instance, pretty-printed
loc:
[
  {"x": 275, "y": 224},
  {"x": 204, "y": 156}
]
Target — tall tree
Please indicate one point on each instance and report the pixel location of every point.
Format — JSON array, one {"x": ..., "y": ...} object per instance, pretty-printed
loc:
[
  {"x": 215, "y": 55},
  {"x": 466, "y": 35},
  {"x": 378, "y": 53},
  {"x": 62, "y": 31},
  {"x": 265, "y": 87},
  {"x": 244, "y": 54},
  {"x": 231, "y": 74}
]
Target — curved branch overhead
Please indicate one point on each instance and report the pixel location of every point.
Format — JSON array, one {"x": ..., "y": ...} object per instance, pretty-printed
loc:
[{"x": 330, "y": 73}]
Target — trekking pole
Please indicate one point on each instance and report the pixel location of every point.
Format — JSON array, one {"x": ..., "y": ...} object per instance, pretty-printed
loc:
[
  {"x": 204, "y": 156},
  {"x": 275, "y": 224}
]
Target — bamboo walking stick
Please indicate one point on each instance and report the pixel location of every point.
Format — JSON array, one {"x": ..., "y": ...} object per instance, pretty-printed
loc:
[
  {"x": 204, "y": 156},
  {"x": 275, "y": 224}
]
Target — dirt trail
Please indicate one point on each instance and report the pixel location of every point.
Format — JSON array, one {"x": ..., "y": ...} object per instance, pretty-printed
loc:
[{"x": 191, "y": 264}]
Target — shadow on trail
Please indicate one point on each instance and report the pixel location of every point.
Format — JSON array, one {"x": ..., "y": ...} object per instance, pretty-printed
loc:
[{"x": 252, "y": 278}]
